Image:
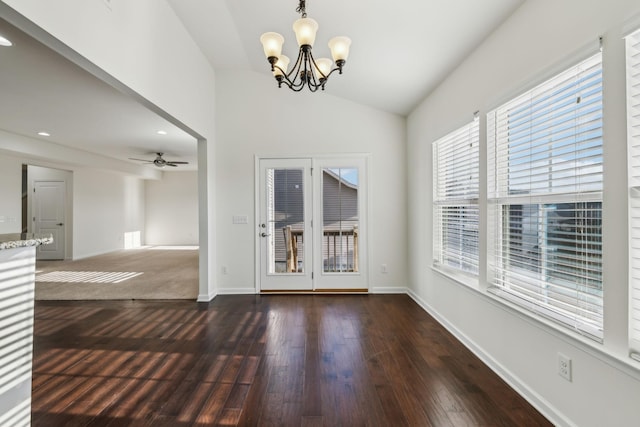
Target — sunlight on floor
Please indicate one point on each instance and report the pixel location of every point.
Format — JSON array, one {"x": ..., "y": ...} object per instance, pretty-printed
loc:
[{"x": 87, "y": 276}]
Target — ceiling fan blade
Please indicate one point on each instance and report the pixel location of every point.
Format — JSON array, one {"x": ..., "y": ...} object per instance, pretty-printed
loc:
[
  {"x": 141, "y": 160},
  {"x": 171, "y": 164},
  {"x": 178, "y": 163}
]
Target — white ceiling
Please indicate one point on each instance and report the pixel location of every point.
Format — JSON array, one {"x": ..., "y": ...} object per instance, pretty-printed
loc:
[
  {"x": 36, "y": 86},
  {"x": 401, "y": 51}
]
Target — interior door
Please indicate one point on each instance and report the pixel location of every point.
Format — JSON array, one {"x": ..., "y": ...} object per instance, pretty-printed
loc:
[
  {"x": 284, "y": 231},
  {"x": 48, "y": 216}
]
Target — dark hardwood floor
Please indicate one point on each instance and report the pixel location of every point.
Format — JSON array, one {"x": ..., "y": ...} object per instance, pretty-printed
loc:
[{"x": 293, "y": 360}]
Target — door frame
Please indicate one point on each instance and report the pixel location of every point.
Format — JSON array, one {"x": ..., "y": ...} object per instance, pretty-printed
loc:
[
  {"x": 364, "y": 256},
  {"x": 47, "y": 173},
  {"x": 289, "y": 281},
  {"x": 60, "y": 238}
]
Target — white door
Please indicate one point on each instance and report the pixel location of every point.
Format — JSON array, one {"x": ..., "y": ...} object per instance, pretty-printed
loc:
[
  {"x": 48, "y": 217},
  {"x": 312, "y": 224},
  {"x": 284, "y": 231},
  {"x": 340, "y": 237}
]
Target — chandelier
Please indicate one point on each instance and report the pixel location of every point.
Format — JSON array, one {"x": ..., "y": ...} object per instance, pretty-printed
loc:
[{"x": 307, "y": 71}]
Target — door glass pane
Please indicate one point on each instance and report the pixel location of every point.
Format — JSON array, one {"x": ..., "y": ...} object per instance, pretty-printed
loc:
[
  {"x": 285, "y": 220},
  {"x": 340, "y": 220}
]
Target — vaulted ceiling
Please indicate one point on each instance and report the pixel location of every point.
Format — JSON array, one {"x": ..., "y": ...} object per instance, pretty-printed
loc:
[{"x": 400, "y": 52}]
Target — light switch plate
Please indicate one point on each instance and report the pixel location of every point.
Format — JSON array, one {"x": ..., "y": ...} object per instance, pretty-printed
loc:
[{"x": 240, "y": 219}]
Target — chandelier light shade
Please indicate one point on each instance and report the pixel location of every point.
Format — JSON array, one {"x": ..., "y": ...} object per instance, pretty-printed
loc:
[{"x": 306, "y": 71}]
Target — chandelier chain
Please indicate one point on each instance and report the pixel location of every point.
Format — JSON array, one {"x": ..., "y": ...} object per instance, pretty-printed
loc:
[{"x": 302, "y": 8}]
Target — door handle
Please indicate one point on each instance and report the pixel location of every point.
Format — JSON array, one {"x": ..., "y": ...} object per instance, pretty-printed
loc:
[
  {"x": 60, "y": 223},
  {"x": 264, "y": 234}
]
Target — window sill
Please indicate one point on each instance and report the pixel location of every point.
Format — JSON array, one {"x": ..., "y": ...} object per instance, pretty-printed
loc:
[
  {"x": 468, "y": 279},
  {"x": 623, "y": 363}
]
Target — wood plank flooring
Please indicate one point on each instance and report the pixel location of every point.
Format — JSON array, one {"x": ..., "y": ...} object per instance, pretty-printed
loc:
[{"x": 268, "y": 360}]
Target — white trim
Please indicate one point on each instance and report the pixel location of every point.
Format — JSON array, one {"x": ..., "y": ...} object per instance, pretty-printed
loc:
[
  {"x": 624, "y": 364},
  {"x": 237, "y": 291},
  {"x": 206, "y": 297},
  {"x": 466, "y": 278},
  {"x": 256, "y": 215},
  {"x": 538, "y": 77},
  {"x": 388, "y": 290},
  {"x": 340, "y": 280},
  {"x": 317, "y": 162},
  {"x": 542, "y": 405},
  {"x": 631, "y": 25}
]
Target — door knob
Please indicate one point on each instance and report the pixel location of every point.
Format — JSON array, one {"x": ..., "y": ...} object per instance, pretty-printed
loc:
[
  {"x": 60, "y": 223},
  {"x": 264, "y": 234}
]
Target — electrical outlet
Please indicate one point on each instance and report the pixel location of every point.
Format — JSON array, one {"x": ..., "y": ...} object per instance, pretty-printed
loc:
[{"x": 564, "y": 366}]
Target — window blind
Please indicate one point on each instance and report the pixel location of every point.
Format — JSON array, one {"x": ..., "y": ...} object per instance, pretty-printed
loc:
[
  {"x": 455, "y": 199},
  {"x": 545, "y": 198},
  {"x": 633, "y": 144}
]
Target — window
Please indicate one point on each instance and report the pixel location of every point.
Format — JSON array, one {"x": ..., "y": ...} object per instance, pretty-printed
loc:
[
  {"x": 545, "y": 199},
  {"x": 633, "y": 141},
  {"x": 455, "y": 199}
]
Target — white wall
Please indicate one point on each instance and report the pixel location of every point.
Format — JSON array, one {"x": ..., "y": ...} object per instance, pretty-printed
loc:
[
  {"x": 254, "y": 117},
  {"x": 172, "y": 209},
  {"x": 106, "y": 205},
  {"x": 103, "y": 206},
  {"x": 10, "y": 194},
  {"x": 539, "y": 39},
  {"x": 142, "y": 48}
]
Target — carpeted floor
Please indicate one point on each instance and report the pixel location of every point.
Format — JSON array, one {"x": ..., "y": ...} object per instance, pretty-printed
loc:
[{"x": 161, "y": 272}]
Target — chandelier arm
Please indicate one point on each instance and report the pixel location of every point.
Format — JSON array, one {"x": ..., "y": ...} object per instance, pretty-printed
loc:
[
  {"x": 333, "y": 71},
  {"x": 308, "y": 74},
  {"x": 312, "y": 82},
  {"x": 295, "y": 72},
  {"x": 286, "y": 77},
  {"x": 305, "y": 71},
  {"x": 313, "y": 60}
]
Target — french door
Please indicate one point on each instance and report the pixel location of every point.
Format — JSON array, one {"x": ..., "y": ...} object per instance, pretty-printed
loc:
[{"x": 312, "y": 224}]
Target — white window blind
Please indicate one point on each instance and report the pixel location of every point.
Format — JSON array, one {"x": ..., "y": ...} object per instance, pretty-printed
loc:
[
  {"x": 545, "y": 198},
  {"x": 455, "y": 199},
  {"x": 633, "y": 144}
]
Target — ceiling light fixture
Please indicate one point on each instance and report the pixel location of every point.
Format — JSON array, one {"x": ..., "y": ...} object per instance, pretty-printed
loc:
[
  {"x": 161, "y": 132},
  {"x": 307, "y": 71},
  {"x": 5, "y": 41},
  {"x": 44, "y": 134}
]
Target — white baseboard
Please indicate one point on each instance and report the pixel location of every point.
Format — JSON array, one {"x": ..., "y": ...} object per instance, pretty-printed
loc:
[
  {"x": 206, "y": 297},
  {"x": 388, "y": 290},
  {"x": 514, "y": 382},
  {"x": 236, "y": 291}
]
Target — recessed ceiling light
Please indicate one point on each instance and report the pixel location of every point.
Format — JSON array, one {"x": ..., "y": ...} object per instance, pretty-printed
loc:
[
  {"x": 162, "y": 132},
  {"x": 5, "y": 42},
  {"x": 44, "y": 134}
]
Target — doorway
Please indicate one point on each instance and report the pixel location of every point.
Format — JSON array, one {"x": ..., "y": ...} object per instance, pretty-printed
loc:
[
  {"x": 312, "y": 230},
  {"x": 49, "y": 199},
  {"x": 48, "y": 209}
]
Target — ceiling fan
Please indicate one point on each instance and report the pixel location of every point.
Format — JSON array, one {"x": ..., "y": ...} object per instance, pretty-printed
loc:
[{"x": 160, "y": 162}]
